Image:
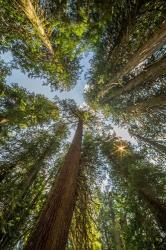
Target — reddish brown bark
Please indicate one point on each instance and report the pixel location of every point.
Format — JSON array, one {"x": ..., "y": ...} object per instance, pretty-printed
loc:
[
  {"x": 152, "y": 45},
  {"x": 51, "y": 232}
]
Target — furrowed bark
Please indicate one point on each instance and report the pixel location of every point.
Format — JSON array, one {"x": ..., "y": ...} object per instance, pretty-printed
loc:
[
  {"x": 153, "y": 44},
  {"x": 51, "y": 232}
]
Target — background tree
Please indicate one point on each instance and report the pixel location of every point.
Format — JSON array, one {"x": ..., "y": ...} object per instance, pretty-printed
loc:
[{"x": 34, "y": 164}]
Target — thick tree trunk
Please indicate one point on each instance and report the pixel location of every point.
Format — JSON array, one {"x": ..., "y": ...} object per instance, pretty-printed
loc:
[
  {"x": 150, "y": 74},
  {"x": 154, "y": 144},
  {"x": 152, "y": 45},
  {"x": 152, "y": 103},
  {"x": 51, "y": 232},
  {"x": 147, "y": 76}
]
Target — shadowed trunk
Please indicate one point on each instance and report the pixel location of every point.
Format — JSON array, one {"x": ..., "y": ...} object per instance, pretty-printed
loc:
[
  {"x": 51, "y": 232},
  {"x": 149, "y": 74},
  {"x": 115, "y": 229},
  {"x": 153, "y": 44},
  {"x": 24, "y": 187},
  {"x": 33, "y": 172},
  {"x": 4, "y": 172},
  {"x": 9, "y": 235},
  {"x": 157, "y": 208},
  {"x": 154, "y": 144},
  {"x": 152, "y": 103}
]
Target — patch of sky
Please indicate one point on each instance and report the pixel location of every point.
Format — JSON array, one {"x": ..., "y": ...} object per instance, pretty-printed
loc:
[{"x": 36, "y": 85}]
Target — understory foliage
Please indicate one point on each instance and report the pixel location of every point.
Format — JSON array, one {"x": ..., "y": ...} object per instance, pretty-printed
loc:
[{"x": 92, "y": 190}]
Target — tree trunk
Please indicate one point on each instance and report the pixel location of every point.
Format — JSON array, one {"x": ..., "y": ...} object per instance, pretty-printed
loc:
[
  {"x": 153, "y": 44},
  {"x": 152, "y": 103},
  {"x": 7, "y": 237},
  {"x": 157, "y": 208},
  {"x": 4, "y": 172},
  {"x": 34, "y": 170},
  {"x": 51, "y": 232},
  {"x": 149, "y": 74},
  {"x": 31, "y": 14},
  {"x": 115, "y": 229},
  {"x": 154, "y": 144}
]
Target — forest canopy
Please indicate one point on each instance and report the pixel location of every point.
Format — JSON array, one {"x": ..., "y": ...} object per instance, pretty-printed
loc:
[{"x": 68, "y": 181}]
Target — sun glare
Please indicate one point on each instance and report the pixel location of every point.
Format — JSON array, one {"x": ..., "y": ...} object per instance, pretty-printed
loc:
[{"x": 121, "y": 148}]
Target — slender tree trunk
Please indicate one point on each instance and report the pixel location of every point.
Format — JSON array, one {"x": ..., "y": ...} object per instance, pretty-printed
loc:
[
  {"x": 31, "y": 14},
  {"x": 51, "y": 232},
  {"x": 3, "y": 121},
  {"x": 33, "y": 172},
  {"x": 157, "y": 209},
  {"x": 7, "y": 237},
  {"x": 4, "y": 173},
  {"x": 115, "y": 229},
  {"x": 154, "y": 144}
]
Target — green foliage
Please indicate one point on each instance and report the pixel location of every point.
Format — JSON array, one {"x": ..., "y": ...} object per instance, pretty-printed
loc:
[
  {"x": 120, "y": 202},
  {"x": 27, "y": 176}
]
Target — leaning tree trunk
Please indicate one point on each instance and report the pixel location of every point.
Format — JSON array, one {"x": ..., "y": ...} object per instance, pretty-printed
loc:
[
  {"x": 37, "y": 166},
  {"x": 153, "y": 44},
  {"x": 159, "y": 147},
  {"x": 150, "y": 104},
  {"x": 33, "y": 17},
  {"x": 51, "y": 232},
  {"x": 150, "y": 74},
  {"x": 25, "y": 186},
  {"x": 155, "y": 205},
  {"x": 147, "y": 76}
]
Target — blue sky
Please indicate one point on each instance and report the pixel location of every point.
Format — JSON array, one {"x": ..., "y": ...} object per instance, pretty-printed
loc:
[{"x": 36, "y": 86}]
